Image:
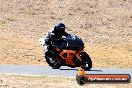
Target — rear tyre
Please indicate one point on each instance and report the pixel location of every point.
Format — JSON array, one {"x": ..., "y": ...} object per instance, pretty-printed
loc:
[{"x": 87, "y": 63}]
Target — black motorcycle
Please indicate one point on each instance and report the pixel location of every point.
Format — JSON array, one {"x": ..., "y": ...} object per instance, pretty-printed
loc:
[{"x": 68, "y": 51}]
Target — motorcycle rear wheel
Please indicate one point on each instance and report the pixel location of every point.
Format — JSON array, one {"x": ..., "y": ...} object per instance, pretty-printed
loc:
[{"x": 87, "y": 63}]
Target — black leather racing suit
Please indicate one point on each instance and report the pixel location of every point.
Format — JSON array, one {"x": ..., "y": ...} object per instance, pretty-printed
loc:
[{"x": 52, "y": 37}]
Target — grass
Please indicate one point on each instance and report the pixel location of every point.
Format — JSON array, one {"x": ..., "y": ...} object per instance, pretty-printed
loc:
[
  {"x": 38, "y": 77},
  {"x": 4, "y": 22}
]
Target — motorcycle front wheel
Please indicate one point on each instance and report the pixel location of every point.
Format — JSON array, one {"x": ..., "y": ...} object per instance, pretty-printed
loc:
[{"x": 54, "y": 64}]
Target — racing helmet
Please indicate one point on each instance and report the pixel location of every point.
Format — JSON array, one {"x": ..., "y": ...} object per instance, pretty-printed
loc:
[{"x": 59, "y": 28}]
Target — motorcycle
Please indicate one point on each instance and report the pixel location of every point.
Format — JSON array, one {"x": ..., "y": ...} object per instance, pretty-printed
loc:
[{"x": 68, "y": 51}]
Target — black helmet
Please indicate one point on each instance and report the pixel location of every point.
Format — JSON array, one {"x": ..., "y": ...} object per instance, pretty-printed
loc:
[{"x": 59, "y": 28}]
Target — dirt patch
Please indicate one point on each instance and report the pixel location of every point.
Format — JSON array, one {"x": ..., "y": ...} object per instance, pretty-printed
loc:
[{"x": 104, "y": 25}]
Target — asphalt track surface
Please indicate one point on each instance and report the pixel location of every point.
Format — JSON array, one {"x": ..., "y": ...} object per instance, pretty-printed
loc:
[{"x": 62, "y": 72}]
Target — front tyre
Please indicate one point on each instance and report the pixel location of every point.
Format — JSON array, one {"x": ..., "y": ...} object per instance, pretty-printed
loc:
[
  {"x": 52, "y": 63},
  {"x": 87, "y": 63},
  {"x": 50, "y": 59}
]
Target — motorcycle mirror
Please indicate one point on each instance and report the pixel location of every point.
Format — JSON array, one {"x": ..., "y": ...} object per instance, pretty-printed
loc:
[
  {"x": 41, "y": 41},
  {"x": 63, "y": 36},
  {"x": 67, "y": 44}
]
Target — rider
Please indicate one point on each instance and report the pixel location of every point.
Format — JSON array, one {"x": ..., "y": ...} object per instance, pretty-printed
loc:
[{"x": 57, "y": 32}]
